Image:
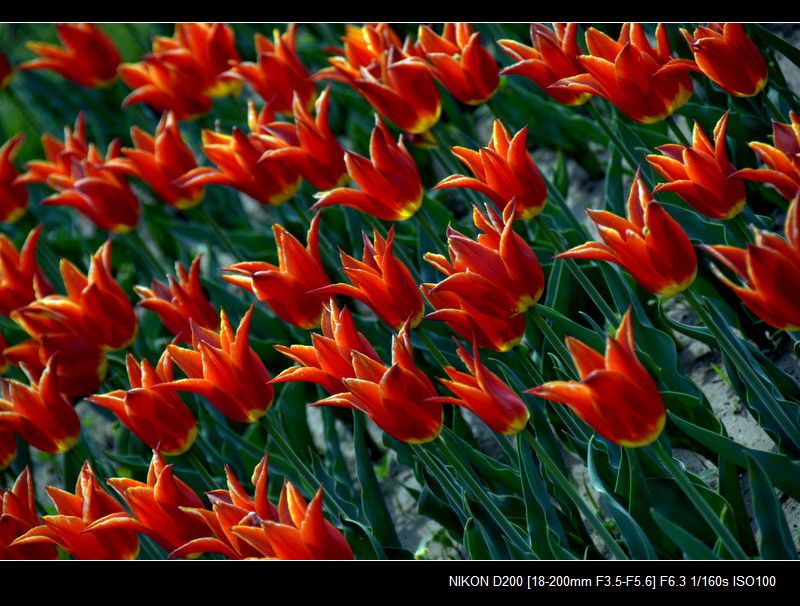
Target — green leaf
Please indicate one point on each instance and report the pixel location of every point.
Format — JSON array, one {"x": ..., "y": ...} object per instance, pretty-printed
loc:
[
  {"x": 776, "y": 539},
  {"x": 372, "y": 499},
  {"x": 692, "y": 547}
]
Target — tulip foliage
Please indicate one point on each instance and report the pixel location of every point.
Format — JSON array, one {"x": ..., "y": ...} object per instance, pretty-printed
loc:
[{"x": 247, "y": 274}]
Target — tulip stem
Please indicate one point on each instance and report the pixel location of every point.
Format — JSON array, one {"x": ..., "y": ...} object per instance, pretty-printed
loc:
[
  {"x": 794, "y": 337},
  {"x": 744, "y": 367},
  {"x": 427, "y": 225},
  {"x": 198, "y": 466},
  {"x": 672, "y": 124},
  {"x": 773, "y": 111},
  {"x": 584, "y": 280},
  {"x": 739, "y": 225},
  {"x": 307, "y": 477},
  {"x": 479, "y": 494},
  {"x": 614, "y": 138},
  {"x": 138, "y": 247},
  {"x": 206, "y": 218},
  {"x": 553, "y": 339},
  {"x": 699, "y": 502},
  {"x": 432, "y": 349},
  {"x": 443, "y": 476},
  {"x": 573, "y": 495}
]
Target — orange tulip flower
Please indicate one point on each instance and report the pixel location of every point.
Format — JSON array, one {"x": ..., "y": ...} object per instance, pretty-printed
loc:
[
  {"x": 485, "y": 394},
  {"x": 724, "y": 53},
  {"x": 159, "y": 419},
  {"x": 503, "y": 171},
  {"x": 553, "y": 55},
  {"x": 300, "y": 532},
  {"x": 183, "y": 299},
  {"x": 770, "y": 271},
  {"x": 39, "y": 413},
  {"x": 159, "y": 161},
  {"x": 279, "y": 74},
  {"x": 391, "y": 187},
  {"x": 184, "y": 72},
  {"x": 615, "y": 395},
  {"x": 650, "y": 244},
  {"x": 329, "y": 358},
  {"x": 157, "y": 83},
  {"x": 88, "y": 57},
  {"x": 157, "y": 507},
  {"x": 70, "y": 528},
  {"x": 13, "y": 195},
  {"x": 500, "y": 263},
  {"x": 702, "y": 175},
  {"x": 629, "y": 74},
  {"x": 287, "y": 288},
  {"x": 6, "y": 71},
  {"x": 252, "y": 527},
  {"x": 20, "y": 276},
  {"x": 388, "y": 75},
  {"x": 223, "y": 368},
  {"x": 17, "y": 516},
  {"x": 395, "y": 398},
  {"x": 84, "y": 180},
  {"x": 239, "y": 160},
  {"x": 381, "y": 282},
  {"x": 309, "y": 145},
  {"x": 460, "y": 62},
  {"x": 783, "y": 159}
]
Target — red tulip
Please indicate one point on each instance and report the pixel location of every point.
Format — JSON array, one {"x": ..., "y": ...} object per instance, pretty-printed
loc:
[
  {"x": 88, "y": 57},
  {"x": 279, "y": 74},
  {"x": 460, "y": 63},
  {"x": 395, "y": 398},
  {"x": 184, "y": 72},
  {"x": 20, "y": 276},
  {"x": 159, "y": 161},
  {"x": 500, "y": 260},
  {"x": 223, "y": 368},
  {"x": 13, "y": 195},
  {"x": 84, "y": 180},
  {"x": 391, "y": 187},
  {"x": 157, "y": 507},
  {"x": 179, "y": 301},
  {"x": 503, "y": 171},
  {"x": 388, "y": 75},
  {"x": 229, "y": 508},
  {"x": 650, "y": 244},
  {"x": 702, "y": 175},
  {"x": 381, "y": 282},
  {"x": 70, "y": 528},
  {"x": 329, "y": 358},
  {"x": 783, "y": 159},
  {"x": 485, "y": 394},
  {"x": 309, "y": 145},
  {"x": 39, "y": 413},
  {"x": 240, "y": 165},
  {"x": 17, "y": 516},
  {"x": 287, "y": 288},
  {"x": 615, "y": 395},
  {"x": 159, "y": 419},
  {"x": 770, "y": 272},
  {"x": 724, "y": 53},
  {"x": 300, "y": 532},
  {"x": 553, "y": 55},
  {"x": 629, "y": 74}
]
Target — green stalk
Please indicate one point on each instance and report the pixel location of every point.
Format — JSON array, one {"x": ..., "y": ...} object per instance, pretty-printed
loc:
[
  {"x": 138, "y": 247},
  {"x": 573, "y": 495},
  {"x": 700, "y": 504},
  {"x": 553, "y": 339},
  {"x": 740, "y": 226},
  {"x": 438, "y": 471},
  {"x": 200, "y": 469},
  {"x": 744, "y": 367},
  {"x": 432, "y": 349},
  {"x": 672, "y": 124},
  {"x": 582, "y": 278},
  {"x": 206, "y": 219},
  {"x": 773, "y": 111},
  {"x": 428, "y": 227},
  {"x": 479, "y": 494},
  {"x": 602, "y": 121}
]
